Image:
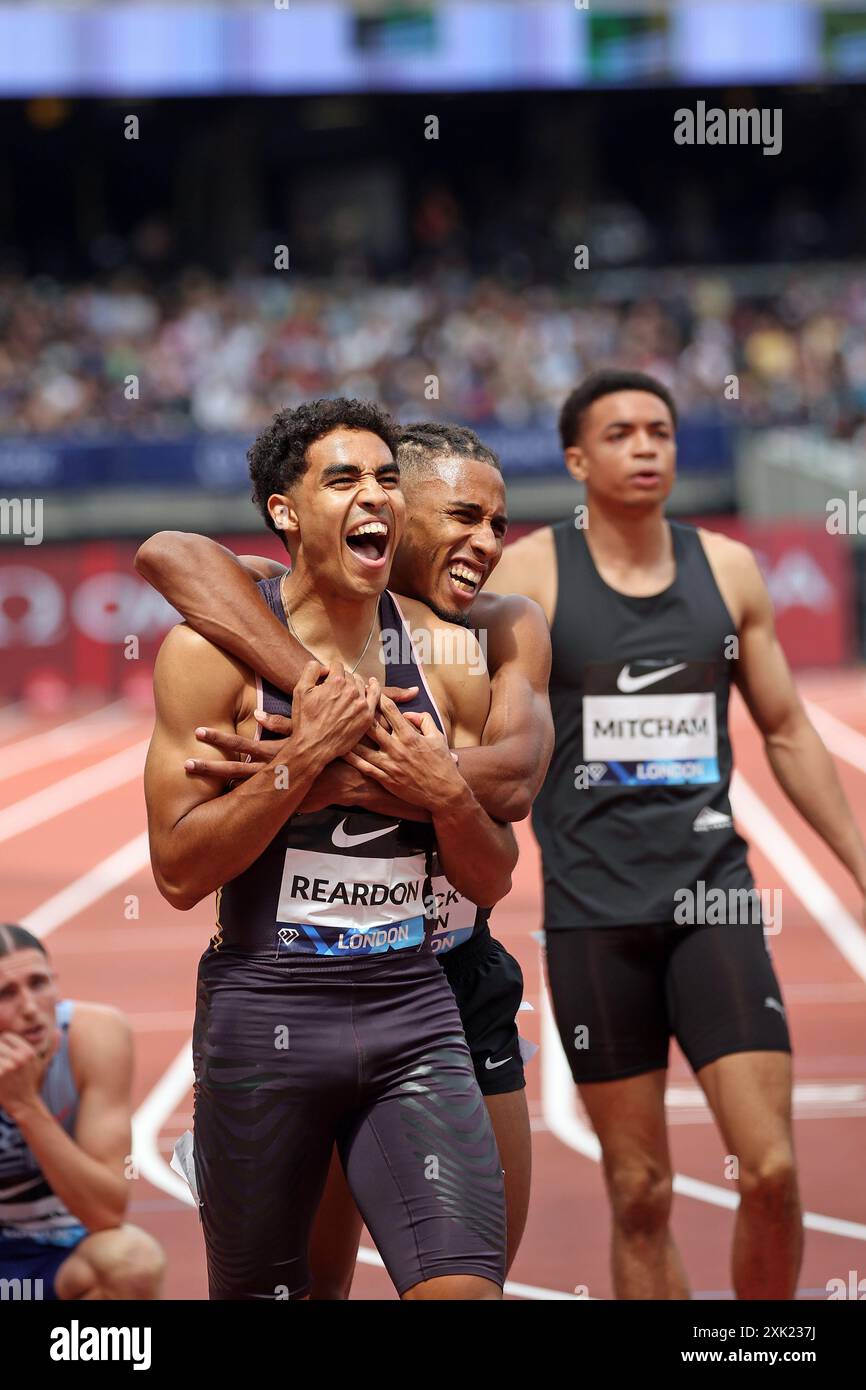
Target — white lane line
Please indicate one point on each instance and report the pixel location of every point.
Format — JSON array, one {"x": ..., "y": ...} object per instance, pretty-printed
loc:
[
  {"x": 807, "y": 1093},
  {"x": 812, "y": 1100},
  {"x": 843, "y": 741},
  {"x": 72, "y": 791},
  {"x": 163, "y": 1101},
  {"x": 171, "y": 1088},
  {"x": 89, "y": 888},
  {"x": 791, "y": 864},
  {"x": 65, "y": 739},
  {"x": 560, "y": 1111}
]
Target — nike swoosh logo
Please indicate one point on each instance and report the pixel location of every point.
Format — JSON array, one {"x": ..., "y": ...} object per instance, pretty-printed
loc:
[
  {"x": 344, "y": 841},
  {"x": 491, "y": 1065},
  {"x": 629, "y": 684}
]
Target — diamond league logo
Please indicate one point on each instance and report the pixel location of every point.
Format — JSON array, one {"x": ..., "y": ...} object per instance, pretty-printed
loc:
[
  {"x": 587, "y": 774},
  {"x": 288, "y": 935}
]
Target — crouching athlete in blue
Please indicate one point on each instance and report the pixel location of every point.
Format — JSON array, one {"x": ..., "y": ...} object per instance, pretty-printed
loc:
[
  {"x": 65, "y": 1077},
  {"x": 322, "y": 1014}
]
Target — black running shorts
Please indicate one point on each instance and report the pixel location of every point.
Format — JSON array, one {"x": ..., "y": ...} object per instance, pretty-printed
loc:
[
  {"x": 488, "y": 986},
  {"x": 291, "y": 1057},
  {"x": 620, "y": 993}
]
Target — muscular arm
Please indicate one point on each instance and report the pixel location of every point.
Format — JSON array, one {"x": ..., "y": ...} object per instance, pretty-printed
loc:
[
  {"x": 506, "y": 771},
  {"x": 198, "y": 838},
  {"x": 87, "y": 1171},
  {"x": 217, "y": 595},
  {"x": 477, "y": 854},
  {"x": 800, "y": 762}
]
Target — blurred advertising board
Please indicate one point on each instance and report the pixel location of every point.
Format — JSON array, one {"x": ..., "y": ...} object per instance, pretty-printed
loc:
[{"x": 76, "y": 619}]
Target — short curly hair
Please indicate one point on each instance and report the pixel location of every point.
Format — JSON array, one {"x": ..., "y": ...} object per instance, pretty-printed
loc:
[{"x": 278, "y": 457}]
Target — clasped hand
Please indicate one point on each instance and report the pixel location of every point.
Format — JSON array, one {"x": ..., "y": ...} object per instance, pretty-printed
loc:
[{"x": 343, "y": 716}]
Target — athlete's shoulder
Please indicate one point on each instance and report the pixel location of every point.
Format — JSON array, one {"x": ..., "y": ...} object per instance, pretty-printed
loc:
[
  {"x": 505, "y": 608},
  {"x": 98, "y": 1020},
  {"x": 738, "y": 576},
  {"x": 184, "y": 649},
  {"x": 734, "y": 557},
  {"x": 100, "y": 1039},
  {"x": 529, "y": 567},
  {"x": 183, "y": 640},
  {"x": 419, "y": 616},
  {"x": 260, "y": 567},
  {"x": 503, "y": 613},
  {"x": 414, "y": 611},
  {"x": 538, "y": 543}
]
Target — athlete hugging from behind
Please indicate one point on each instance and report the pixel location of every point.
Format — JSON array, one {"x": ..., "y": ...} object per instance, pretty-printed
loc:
[
  {"x": 455, "y": 529},
  {"x": 303, "y": 1038}
]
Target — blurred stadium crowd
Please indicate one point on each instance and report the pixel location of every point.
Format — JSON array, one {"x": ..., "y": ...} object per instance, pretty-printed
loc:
[
  {"x": 215, "y": 353},
  {"x": 410, "y": 258}
]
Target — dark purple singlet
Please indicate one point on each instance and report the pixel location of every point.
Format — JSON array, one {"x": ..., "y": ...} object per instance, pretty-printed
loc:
[{"x": 323, "y": 1017}]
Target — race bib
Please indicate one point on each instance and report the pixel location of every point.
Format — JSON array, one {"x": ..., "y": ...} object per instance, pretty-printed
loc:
[
  {"x": 641, "y": 727},
  {"x": 453, "y": 917},
  {"x": 335, "y": 890}
]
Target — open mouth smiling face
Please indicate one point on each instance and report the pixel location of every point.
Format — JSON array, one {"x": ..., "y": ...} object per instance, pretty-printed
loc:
[
  {"x": 370, "y": 543},
  {"x": 465, "y": 579},
  {"x": 346, "y": 512},
  {"x": 455, "y": 533}
]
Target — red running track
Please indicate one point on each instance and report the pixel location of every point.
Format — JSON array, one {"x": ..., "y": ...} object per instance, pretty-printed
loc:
[{"x": 74, "y": 867}]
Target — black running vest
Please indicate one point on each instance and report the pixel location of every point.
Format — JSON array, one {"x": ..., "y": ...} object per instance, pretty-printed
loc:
[
  {"x": 344, "y": 882},
  {"x": 635, "y": 804}
]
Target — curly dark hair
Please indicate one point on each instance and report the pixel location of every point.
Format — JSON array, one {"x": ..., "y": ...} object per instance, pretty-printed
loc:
[
  {"x": 605, "y": 383},
  {"x": 278, "y": 457}
]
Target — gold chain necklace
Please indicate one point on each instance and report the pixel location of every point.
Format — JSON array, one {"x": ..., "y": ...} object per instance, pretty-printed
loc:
[{"x": 303, "y": 644}]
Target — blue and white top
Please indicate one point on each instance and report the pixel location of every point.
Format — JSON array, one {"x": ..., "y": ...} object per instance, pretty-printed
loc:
[{"x": 29, "y": 1208}]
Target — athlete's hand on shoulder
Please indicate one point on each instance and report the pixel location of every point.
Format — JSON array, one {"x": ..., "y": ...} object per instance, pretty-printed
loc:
[
  {"x": 331, "y": 715},
  {"x": 410, "y": 757},
  {"x": 21, "y": 1071}
]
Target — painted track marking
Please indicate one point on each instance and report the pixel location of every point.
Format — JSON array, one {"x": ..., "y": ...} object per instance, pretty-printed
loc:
[{"x": 72, "y": 791}]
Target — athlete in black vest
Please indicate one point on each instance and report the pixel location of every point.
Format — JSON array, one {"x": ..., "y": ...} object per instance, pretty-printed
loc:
[
  {"x": 455, "y": 526},
  {"x": 322, "y": 1015},
  {"x": 651, "y": 924}
]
